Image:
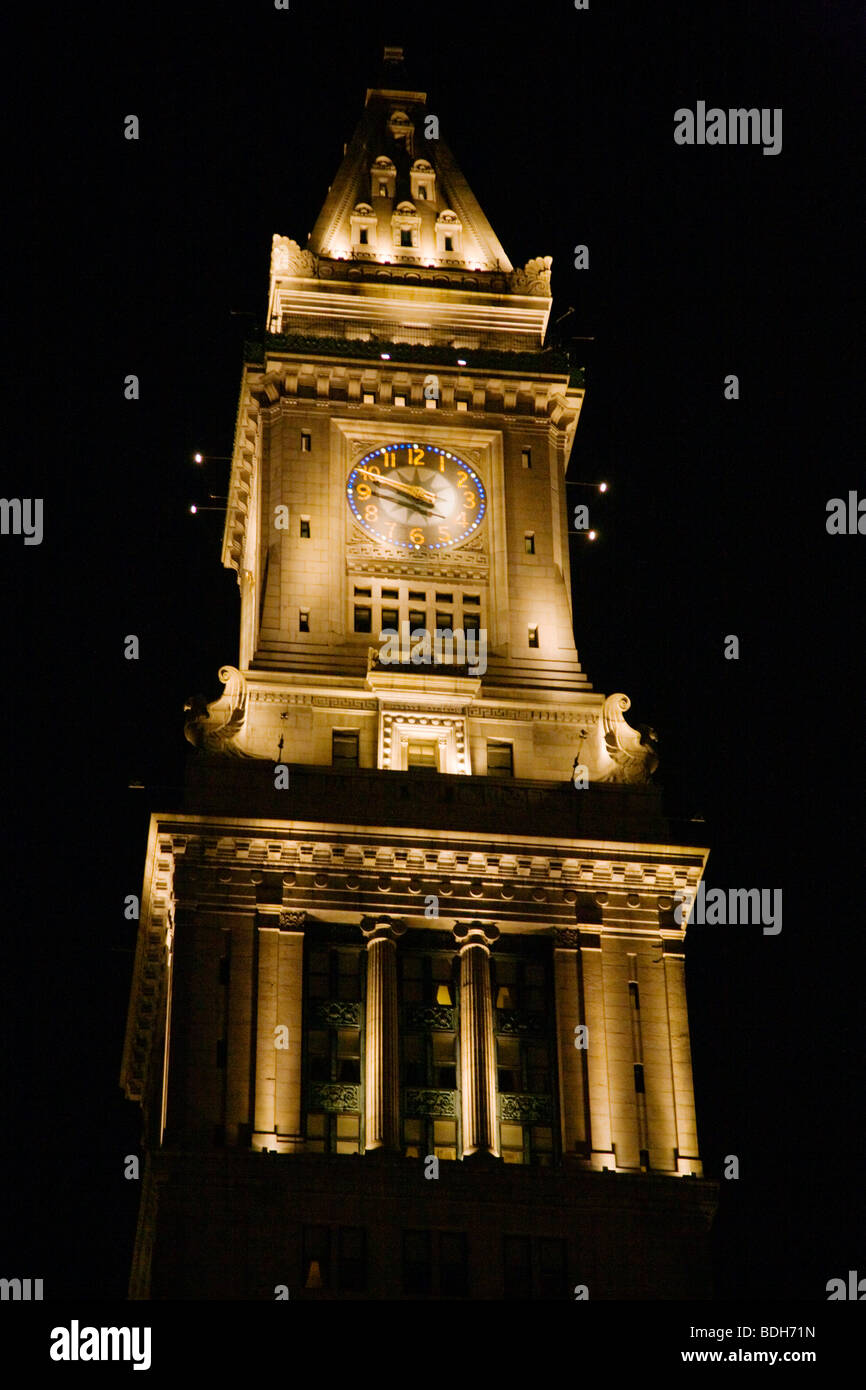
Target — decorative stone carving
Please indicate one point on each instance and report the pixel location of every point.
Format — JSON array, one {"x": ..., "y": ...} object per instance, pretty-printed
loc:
[
  {"x": 287, "y": 258},
  {"x": 215, "y": 726},
  {"x": 290, "y": 917},
  {"x": 534, "y": 278},
  {"x": 437, "y": 1017},
  {"x": 441, "y": 1103},
  {"x": 566, "y": 937},
  {"x": 629, "y": 754},
  {"x": 525, "y": 1110},
  {"x": 336, "y": 1098},
  {"x": 336, "y": 1013},
  {"x": 520, "y": 1022}
]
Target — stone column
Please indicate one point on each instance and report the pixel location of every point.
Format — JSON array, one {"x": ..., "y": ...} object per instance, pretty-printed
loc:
[
  {"x": 477, "y": 1047},
  {"x": 381, "y": 1066}
]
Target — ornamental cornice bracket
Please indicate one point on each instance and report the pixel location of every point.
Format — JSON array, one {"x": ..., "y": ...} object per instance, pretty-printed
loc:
[
  {"x": 628, "y": 755},
  {"x": 214, "y": 727}
]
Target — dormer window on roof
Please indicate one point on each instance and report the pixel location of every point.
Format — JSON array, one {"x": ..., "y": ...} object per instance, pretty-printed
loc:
[
  {"x": 383, "y": 178},
  {"x": 364, "y": 228},
  {"x": 423, "y": 181},
  {"x": 449, "y": 234},
  {"x": 401, "y": 129},
  {"x": 406, "y": 225}
]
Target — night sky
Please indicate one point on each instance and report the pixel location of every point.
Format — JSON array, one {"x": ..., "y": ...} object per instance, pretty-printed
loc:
[{"x": 152, "y": 257}]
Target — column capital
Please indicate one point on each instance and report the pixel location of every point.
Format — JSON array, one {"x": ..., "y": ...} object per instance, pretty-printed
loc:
[
  {"x": 476, "y": 934},
  {"x": 382, "y": 928}
]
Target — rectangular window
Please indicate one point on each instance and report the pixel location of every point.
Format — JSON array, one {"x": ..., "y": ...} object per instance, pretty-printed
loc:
[
  {"x": 453, "y": 1270},
  {"x": 526, "y": 458},
  {"x": 431, "y": 403},
  {"x": 317, "y": 1257},
  {"x": 500, "y": 758},
  {"x": 551, "y": 1269},
  {"x": 471, "y": 622},
  {"x": 421, "y": 754},
  {"x": 417, "y": 596},
  {"x": 517, "y": 1260},
  {"x": 417, "y": 619},
  {"x": 449, "y": 243},
  {"x": 363, "y": 618},
  {"x": 417, "y": 1263},
  {"x": 444, "y": 598},
  {"x": 533, "y": 637},
  {"x": 529, "y": 543},
  {"x": 422, "y": 192},
  {"x": 390, "y": 593},
  {"x": 362, "y": 593},
  {"x": 400, "y": 400},
  {"x": 444, "y": 620},
  {"x": 305, "y": 528},
  {"x": 471, "y": 598},
  {"x": 369, "y": 398},
  {"x": 306, "y": 442},
  {"x": 344, "y": 748},
  {"x": 362, "y": 236},
  {"x": 638, "y": 1078},
  {"x": 383, "y": 190},
  {"x": 390, "y": 619},
  {"x": 462, "y": 405},
  {"x": 352, "y": 1259},
  {"x": 304, "y": 620},
  {"x": 405, "y": 236}
]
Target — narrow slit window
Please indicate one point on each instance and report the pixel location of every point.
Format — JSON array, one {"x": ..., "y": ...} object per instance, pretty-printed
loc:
[
  {"x": 306, "y": 442},
  {"x": 533, "y": 636},
  {"x": 305, "y": 528},
  {"x": 304, "y": 620},
  {"x": 529, "y": 542},
  {"x": 526, "y": 458},
  {"x": 638, "y": 1078}
]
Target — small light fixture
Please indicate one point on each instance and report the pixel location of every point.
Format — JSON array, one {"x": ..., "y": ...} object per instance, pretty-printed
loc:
[
  {"x": 193, "y": 508},
  {"x": 198, "y": 458},
  {"x": 602, "y": 487},
  {"x": 591, "y": 535},
  {"x": 314, "y": 1276},
  {"x": 461, "y": 361}
]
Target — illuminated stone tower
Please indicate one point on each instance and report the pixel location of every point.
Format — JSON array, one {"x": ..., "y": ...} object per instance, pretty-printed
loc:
[{"x": 408, "y": 1016}]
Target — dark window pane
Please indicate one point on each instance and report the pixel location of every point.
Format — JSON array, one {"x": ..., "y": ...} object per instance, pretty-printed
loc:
[
  {"x": 417, "y": 1263},
  {"x": 352, "y": 1260},
  {"x": 551, "y": 1268},
  {"x": 344, "y": 748},
  {"x": 453, "y": 1273},
  {"x": 517, "y": 1260},
  {"x": 363, "y": 618},
  {"x": 390, "y": 619}
]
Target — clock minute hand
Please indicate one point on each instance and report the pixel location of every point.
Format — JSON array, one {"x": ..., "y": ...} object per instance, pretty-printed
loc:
[{"x": 420, "y": 493}]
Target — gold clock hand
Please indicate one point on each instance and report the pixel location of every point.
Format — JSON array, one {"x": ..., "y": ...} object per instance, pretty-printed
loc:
[{"x": 421, "y": 493}]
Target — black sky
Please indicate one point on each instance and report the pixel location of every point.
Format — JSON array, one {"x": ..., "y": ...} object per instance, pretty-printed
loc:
[{"x": 130, "y": 257}]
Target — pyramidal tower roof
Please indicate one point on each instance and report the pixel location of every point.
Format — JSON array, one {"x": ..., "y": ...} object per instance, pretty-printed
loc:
[{"x": 401, "y": 237}]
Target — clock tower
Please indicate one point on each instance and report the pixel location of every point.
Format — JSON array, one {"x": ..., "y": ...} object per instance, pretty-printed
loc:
[{"x": 408, "y": 1016}]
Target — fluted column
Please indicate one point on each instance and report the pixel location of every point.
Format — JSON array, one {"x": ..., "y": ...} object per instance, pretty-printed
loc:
[
  {"x": 477, "y": 1048},
  {"x": 381, "y": 1074}
]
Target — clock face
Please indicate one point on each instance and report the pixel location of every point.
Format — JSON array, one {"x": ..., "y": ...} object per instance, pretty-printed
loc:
[{"x": 416, "y": 496}]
